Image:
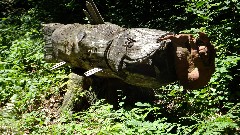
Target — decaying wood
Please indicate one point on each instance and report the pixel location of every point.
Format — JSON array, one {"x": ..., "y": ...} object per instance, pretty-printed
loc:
[
  {"x": 74, "y": 86},
  {"x": 194, "y": 59},
  {"x": 135, "y": 55},
  {"x": 132, "y": 55},
  {"x": 135, "y": 60},
  {"x": 77, "y": 96}
]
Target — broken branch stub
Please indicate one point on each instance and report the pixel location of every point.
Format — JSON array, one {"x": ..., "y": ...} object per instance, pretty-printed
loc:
[{"x": 92, "y": 13}]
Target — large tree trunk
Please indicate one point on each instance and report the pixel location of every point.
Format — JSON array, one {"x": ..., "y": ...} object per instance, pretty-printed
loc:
[{"x": 132, "y": 55}]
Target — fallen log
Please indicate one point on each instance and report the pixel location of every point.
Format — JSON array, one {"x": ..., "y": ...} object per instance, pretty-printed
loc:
[
  {"x": 133, "y": 55},
  {"x": 134, "y": 60},
  {"x": 137, "y": 56}
]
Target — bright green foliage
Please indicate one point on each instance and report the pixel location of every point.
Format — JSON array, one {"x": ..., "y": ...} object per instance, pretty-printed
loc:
[
  {"x": 220, "y": 20},
  {"x": 26, "y": 81},
  {"x": 101, "y": 119}
]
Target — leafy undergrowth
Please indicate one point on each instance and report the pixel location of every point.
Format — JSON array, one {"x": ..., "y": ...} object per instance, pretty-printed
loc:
[
  {"x": 30, "y": 93},
  {"x": 102, "y": 119}
]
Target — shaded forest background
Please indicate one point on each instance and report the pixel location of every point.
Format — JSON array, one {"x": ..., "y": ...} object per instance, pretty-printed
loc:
[{"x": 28, "y": 88}]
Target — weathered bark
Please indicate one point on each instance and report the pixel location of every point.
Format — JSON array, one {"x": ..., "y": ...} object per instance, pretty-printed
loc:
[
  {"x": 132, "y": 55},
  {"x": 77, "y": 96},
  {"x": 74, "y": 86}
]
